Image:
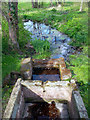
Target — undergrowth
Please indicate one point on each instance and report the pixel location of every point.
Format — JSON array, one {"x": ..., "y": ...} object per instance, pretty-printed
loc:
[
  {"x": 66, "y": 19},
  {"x": 42, "y": 49}
]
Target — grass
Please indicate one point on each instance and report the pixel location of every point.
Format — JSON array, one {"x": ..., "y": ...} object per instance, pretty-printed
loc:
[
  {"x": 42, "y": 49},
  {"x": 66, "y": 19},
  {"x": 70, "y": 21},
  {"x": 10, "y": 63},
  {"x": 79, "y": 65}
]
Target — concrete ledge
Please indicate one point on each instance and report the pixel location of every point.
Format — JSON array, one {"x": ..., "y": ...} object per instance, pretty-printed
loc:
[
  {"x": 80, "y": 105},
  {"x": 35, "y": 91},
  {"x": 26, "y": 68},
  {"x": 47, "y": 83},
  {"x": 12, "y": 106}
]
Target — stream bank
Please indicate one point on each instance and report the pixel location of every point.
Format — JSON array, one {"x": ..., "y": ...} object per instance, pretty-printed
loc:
[{"x": 59, "y": 42}]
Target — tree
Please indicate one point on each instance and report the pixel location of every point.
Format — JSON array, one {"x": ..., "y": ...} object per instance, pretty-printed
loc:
[
  {"x": 51, "y": 3},
  {"x": 56, "y": 2},
  {"x": 59, "y": 2},
  {"x": 11, "y": 15},
  {"x": 35, "y": 4},
  {"x": 81, "y": 6},
  {"x": 32, "y": 4}
]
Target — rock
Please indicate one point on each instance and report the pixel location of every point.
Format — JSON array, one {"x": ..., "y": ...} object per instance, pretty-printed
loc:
[
  {"x": 6, "y": 81},
  {"x": 14, "y": 76},
  {"x": 11, "y": 78},
  {"x": 30, "y": 48},
  {"x": 65, "y": 74},
  {"x": 26, "y": 69}
]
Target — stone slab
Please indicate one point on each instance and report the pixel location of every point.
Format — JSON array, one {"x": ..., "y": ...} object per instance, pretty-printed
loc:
[{"x": 26, "y": 68}]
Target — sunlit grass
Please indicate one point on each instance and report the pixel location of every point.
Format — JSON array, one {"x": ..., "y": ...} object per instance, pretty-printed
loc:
[
  {"x": 42, "y": 49},
  {"x": 67, "y": 19}
]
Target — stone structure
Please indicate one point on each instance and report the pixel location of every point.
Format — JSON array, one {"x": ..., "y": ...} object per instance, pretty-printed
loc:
[
  {"x": 34, "y": 91},
  {"x": 65, "y": 94},
  {"x": 26, "y": 69},
  {"x": 53, "y": 63}
]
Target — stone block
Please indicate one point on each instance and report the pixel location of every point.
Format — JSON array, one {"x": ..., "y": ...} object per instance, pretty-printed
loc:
[
  {"x": 65, "y": 74},
  {"x": 26, "y": 69}
]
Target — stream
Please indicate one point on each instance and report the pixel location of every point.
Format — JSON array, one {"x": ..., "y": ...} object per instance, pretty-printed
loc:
[{"x": 59, "y": 42}]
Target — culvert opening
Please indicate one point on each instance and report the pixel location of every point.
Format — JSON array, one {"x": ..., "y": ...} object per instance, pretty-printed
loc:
[{"x": 46, "y": 74}]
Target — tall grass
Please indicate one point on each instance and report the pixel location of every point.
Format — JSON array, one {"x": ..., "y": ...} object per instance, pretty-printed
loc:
[{"x": 42, "y": 48}]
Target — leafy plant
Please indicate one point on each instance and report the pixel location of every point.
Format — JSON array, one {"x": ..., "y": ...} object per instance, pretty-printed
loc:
[{"x": 41, "y": 47}]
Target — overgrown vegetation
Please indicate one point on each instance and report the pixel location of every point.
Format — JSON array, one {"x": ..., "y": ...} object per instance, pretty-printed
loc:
[
  {"x": 70, "y": 21},
  {"x": 66, "y": 19},
  {"x": 79, "y": 67},
  {"x": 42, "y": 49},
  {"x": 11, "y": 60}
]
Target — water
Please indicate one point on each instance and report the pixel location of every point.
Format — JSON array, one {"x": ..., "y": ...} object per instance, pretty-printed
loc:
[
  {"x": 46, "y": 74},
  {"x": 59, "y": 42},
  {"x": 46, "y": 111}
]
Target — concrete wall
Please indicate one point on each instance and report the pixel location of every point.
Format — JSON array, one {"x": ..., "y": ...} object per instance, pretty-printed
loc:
[
  {"x": 76, "y": 106},
  {"x": 35, "y": 91},
  {"x": 16, "y": 102}
]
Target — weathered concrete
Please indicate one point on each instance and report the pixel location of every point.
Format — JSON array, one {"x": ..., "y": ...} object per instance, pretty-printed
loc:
[
  {"x": 15, "y": 105},
  {"x": 35, "y": 91},
  {"x": 47, "y": 91},
  {"x": 53, "y": 63},
  {"x": 26, "y": 69}
]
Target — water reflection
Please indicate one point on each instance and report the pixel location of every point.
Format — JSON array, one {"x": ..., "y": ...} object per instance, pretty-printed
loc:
[{"x": 59, "y": 43}]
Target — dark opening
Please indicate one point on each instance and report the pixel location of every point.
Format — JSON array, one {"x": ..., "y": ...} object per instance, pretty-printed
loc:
[
  {"x": 41, "y": 111},
  {"x": 46, "y": 74},
  {"x": 46, "y": 111}
]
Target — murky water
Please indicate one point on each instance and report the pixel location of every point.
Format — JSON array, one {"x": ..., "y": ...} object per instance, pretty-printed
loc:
[
  {"x": 59, "y": 43},
  {"x": 46, "y": 74},
  {"x": 46, "y": 111}
]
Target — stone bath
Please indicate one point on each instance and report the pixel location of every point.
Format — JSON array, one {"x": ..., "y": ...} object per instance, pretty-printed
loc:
[
  {"x": 62, "y": 97},
  {"x": 48, "y": 97}
]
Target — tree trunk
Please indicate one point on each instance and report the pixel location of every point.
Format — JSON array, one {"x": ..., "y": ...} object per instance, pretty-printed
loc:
[
  {"x": 51, "y": 3},
  {"x": 59, "y": 2},
  {"x": 81, "y": 6},
  {"x": 36, "y": 4},
  {"x": 13, "y": 25},
  {"x": 32, "y": 4},
  {"x": 56, "y": 2},
  {"x": 39, "y": 5}
]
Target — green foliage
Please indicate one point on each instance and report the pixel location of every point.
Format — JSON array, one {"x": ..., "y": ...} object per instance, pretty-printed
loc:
[
  {"x": 42, "y": 48},
  {"x": 77, "y": 31},
  {"x": 67, "y": 20},
  {"x": 54, "y": 10},
  {"x": 79, "y": 65},
  {"x": 5, "y": 96},
  {"x": 84, "y": 93},
  {"x": 10, "y": 63},
  {"x": 24, "y": 35},
  {"x": 5, "y": 36}
]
